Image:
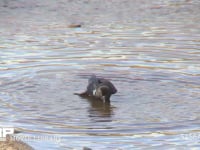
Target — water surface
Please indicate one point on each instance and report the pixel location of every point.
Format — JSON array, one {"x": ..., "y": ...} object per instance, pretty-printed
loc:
[{"x": 151, "y": 53}]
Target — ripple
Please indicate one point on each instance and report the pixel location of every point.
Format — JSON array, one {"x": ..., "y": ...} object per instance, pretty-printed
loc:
[{"x": 152, "y": 58}]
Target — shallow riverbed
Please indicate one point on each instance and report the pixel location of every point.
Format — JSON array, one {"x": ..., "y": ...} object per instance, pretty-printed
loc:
[{"x": 149, "y": 50}]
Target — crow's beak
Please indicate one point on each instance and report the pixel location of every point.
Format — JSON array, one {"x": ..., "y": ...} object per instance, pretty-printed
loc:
[{"x": 105, "y": 99}]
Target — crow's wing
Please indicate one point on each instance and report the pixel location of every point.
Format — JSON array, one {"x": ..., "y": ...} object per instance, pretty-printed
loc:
[{"x": 106, "y": 82}]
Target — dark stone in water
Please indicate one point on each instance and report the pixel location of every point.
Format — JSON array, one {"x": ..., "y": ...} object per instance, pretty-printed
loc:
[{"x": 74, "y": 25}]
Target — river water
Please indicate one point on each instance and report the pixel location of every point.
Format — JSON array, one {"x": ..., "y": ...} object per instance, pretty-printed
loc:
[{"x": 149, "y": 50}]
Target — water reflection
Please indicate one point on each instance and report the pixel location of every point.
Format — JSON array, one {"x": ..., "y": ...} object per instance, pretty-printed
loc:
[{"x": 98, "y": 108}]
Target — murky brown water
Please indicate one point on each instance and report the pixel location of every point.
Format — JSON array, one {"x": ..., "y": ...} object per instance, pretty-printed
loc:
[{"x": 150, "y": 51}]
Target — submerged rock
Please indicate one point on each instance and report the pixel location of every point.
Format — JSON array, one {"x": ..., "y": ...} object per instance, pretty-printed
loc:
[{"x": 10, "y": 144}]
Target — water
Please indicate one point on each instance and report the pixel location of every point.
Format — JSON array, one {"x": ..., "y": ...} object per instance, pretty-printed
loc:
[{"x": 149, "y": 50}]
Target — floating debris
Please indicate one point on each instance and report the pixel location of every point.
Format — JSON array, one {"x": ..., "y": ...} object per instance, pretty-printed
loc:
[{"x": 74, "y": 26}]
